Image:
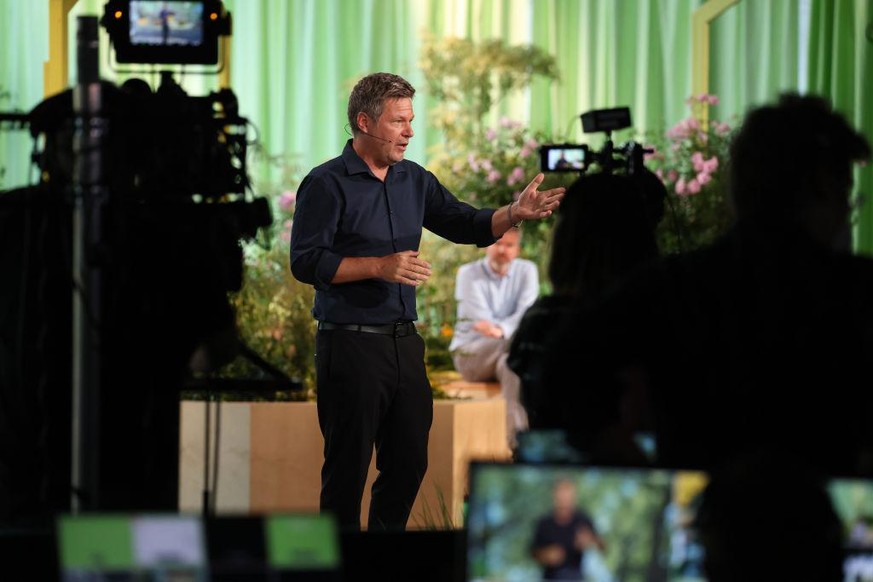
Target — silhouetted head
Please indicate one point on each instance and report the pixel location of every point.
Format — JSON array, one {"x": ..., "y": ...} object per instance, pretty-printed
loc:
[
  {"x": 793, "y": 161},
  {"x": 768, "y": 516},
  {"x": 605, "y": 227}
]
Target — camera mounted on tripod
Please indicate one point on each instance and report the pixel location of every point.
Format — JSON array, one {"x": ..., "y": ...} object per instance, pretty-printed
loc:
[{"x": 567, "y": 157}]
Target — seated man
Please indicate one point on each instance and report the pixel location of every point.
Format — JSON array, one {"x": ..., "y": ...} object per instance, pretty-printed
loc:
[{"x": 492, "y": 294}]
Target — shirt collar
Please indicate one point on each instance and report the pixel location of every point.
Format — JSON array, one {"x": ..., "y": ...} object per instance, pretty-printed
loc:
[
  {"x": 486, "y": 265},
  {"x": 355, "y": 165}
]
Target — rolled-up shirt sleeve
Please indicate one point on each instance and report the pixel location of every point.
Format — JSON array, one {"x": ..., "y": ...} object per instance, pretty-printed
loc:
[{"x": 314, "y": 225}]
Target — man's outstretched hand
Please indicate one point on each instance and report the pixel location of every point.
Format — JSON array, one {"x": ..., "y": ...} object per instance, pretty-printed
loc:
[{"x": 533, "y": 204}]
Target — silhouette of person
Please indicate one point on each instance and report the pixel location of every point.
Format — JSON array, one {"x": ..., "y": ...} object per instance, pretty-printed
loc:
[
  {"x": 563, "y": 163},
  {"x": 767, "y": 515},
  {"x": 164, "y": 15},
  {"x": 605, "y": 230},
  {"x": 762, "y": 337}
]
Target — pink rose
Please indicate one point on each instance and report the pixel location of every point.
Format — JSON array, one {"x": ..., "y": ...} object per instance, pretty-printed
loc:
[
  {"x": 710, "y": 165},
  {"x": 516, "y": 176},
  {"x": 680, "y": 187},
  {"x": 287, "y": 200},
  {"x": 693, "y": 186},
  {"x": 721, "y": 128}
]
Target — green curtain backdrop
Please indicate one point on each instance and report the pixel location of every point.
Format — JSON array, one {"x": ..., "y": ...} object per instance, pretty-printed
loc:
[
  {"x": 755, "y": 48},
  {"x": 23, "y": 49},
  {"x": 841, "y": 66},
  {"x": 294, "y": 61},
  {"x": 610, "y": 54}
]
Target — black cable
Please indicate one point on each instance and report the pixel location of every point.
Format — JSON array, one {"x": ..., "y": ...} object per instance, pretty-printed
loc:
[
  {"x": 214, "y": 496},
  {"x": 205, "y": 497}
]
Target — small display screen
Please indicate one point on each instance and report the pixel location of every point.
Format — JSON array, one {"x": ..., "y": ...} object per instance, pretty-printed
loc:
[
  {"x": 166, "y": 23},
  {"x": 563, "y": 158}
]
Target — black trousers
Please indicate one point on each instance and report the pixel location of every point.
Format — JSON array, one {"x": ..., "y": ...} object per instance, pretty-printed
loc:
[{"x": 373, "y": 390}]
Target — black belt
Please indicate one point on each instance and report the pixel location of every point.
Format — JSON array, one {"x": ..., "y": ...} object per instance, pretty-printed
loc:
[{"x": 400, "y": 329}]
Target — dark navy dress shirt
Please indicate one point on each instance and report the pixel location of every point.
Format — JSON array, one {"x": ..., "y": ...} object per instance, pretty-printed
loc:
[{"x": 343, "y": 210}]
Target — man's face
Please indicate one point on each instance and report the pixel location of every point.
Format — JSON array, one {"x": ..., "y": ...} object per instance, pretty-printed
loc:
[
  {"x": 394, "y": 126},
  {"x": 564, "y": 497},
  {"x": 504, "y": 251}
]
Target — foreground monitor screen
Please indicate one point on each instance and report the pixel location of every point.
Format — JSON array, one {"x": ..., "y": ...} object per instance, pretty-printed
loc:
[
  {"x": 187, "y": 548},
  {"x": 643, "y": 517}
]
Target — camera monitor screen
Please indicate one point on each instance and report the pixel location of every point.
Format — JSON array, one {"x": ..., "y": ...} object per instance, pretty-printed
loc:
[
  {"x": 166, "y": 23},
  {"x": 641, "y": 522},
  {"x": 159, "y": 546},
  {"x": 166, "y": 31},
  {"x": 563, "y": 158}
]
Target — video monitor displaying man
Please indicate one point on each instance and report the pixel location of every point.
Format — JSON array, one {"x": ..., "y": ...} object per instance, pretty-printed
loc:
[{"x": 166, "y": 23}]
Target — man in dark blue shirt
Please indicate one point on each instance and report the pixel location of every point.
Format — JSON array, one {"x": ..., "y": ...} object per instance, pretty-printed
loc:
[
  {"x": 355, "y": 238},
  {"x": 562, "y": 536}
]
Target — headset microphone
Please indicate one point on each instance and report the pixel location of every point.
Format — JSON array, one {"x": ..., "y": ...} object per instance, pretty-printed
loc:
[{"x": 377, "y": 137}]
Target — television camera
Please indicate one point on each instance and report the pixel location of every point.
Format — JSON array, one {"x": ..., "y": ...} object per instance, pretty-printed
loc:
[
  {"x": 567, "y": 157},
  {"x": 128, "y": 242}
]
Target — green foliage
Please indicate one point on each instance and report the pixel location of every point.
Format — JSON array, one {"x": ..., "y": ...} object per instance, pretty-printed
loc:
[
  {"x": 436, "y": 299},
  {"x": 469, "y": 78},
  {"x": 273, "y": 315},
  {"x": 272, "y": 307},
  {"x": 435, "y": 519}
]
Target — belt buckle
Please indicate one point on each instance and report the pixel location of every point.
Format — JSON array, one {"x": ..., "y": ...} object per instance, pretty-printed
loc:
[{"x": 397, "y": 328}]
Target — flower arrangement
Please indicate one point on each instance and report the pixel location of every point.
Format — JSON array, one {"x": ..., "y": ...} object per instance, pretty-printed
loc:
[
  {"x": 494, "y": 171},
  {"x": 690, "y": 158}
]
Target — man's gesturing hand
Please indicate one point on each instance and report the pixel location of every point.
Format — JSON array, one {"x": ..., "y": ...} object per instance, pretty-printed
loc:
[
  {"x": 533, "y": 204},
  {"x": 404, "y": 267}
]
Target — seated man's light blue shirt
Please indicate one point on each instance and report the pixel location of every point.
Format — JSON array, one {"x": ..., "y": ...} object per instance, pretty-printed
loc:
[{"x": 483, "y": 294}]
